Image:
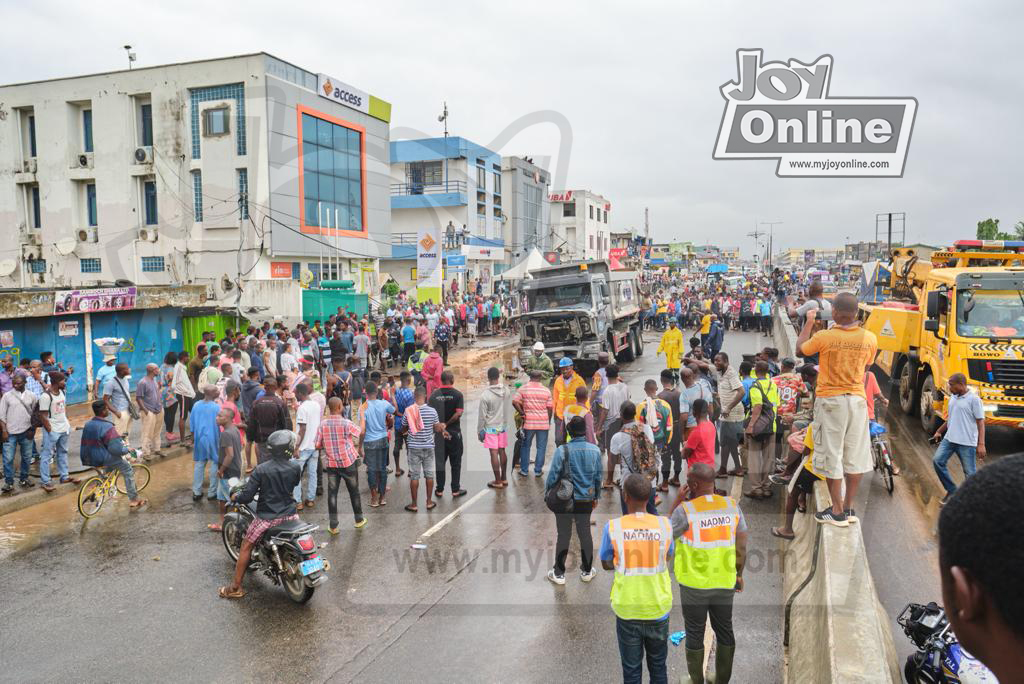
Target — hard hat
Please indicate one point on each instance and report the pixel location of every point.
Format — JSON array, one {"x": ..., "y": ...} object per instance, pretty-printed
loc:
[
  {"x": 566, "y": 361},
  {"x": 538, "y": 346}
]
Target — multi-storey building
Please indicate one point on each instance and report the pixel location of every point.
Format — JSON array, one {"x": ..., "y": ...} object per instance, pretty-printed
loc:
[{"x": 580, "y": 225}]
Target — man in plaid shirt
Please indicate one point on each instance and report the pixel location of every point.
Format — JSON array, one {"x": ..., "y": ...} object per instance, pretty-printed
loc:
[{"x": 339, "y": 438}]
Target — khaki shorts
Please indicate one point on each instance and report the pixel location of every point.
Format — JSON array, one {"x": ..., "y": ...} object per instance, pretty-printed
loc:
[{"x": 841, "y": 440}]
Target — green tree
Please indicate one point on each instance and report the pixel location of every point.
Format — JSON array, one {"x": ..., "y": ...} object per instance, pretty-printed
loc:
[{"x": 989, "y": 230}]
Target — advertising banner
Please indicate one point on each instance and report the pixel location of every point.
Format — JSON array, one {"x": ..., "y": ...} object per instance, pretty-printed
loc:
[
  {"x": 428, "y": 263},
  {"x": 93, "y": 301}
]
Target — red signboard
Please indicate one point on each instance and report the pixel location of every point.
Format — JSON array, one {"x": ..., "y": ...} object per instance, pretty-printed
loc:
[
  {"x": 561, "y": 196},
  {"x": 617, "y": 253},
  {"x": 280, "y": 269},
  {"x": 551, "y": 257}
]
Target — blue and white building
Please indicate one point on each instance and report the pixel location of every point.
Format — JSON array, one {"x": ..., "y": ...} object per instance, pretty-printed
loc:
[{"x": 456, "y": 185}]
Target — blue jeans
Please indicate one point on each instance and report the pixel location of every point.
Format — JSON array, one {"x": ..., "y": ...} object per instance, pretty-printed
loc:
[
  {"x": 651, "y": 508},
  {"x": 307, "y": 459},
  {"x": 54, "y": 443},
  {"x": 127, "y": 473},
  {"x": 23, "y": 442},
  {"x": 542, "y": 445},
  {"x": 376, "y": 453},
  {"x": 198, "y": 472},
  {"x": 637, "y": 637},
  {"x": 944, "y": 453}
]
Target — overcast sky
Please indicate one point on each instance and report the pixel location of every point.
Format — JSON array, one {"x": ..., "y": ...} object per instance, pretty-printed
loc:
[{"x": 637, "y": 84}]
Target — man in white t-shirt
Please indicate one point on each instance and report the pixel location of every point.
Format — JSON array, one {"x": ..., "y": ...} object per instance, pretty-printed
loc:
[
  {"x": 56, "y": 428},
  {"x": 308, "y": 419},
  {"x": 612, "y": 397},
  {"x": 289, "y": 364}
]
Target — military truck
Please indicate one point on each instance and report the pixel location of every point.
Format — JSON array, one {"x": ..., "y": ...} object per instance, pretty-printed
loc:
[
  {"x": 579, "y": 310},
  {"x": 961, "y": 311}
]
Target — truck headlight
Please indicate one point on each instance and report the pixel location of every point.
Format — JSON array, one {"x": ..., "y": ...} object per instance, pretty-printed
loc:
[{"x": 990, "y": 408}]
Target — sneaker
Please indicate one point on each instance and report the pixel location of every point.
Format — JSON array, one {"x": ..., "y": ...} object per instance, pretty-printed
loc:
[
  {"x": 520, "y": 473},
  {"x": 827, "y": 516},
  {"x": 943, "y": 502},
  {"x": 587, "y": 576},
  {"x": 851, "y": 515},
  {"x": 361, "y": 523},
  {"x": 538, "y": 474},
  {"x": 48, "y": 487},
  {"x": 334, "y": 530},
  {"x": 556, "y": 579},
  {"x": 778, "y": 479},
  {"x": 27, "y": 483},
  {"x": 7, "y": 488},
  {"x": 197, "y": 497}
]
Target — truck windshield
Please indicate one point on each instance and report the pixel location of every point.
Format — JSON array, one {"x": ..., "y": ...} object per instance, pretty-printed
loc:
[
  {"x": 561, "y": 297},
  {"x": 990, "y": 313}
]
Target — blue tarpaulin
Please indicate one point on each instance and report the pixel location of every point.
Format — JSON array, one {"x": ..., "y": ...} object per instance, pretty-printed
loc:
[{"x": 717, "y": 268}]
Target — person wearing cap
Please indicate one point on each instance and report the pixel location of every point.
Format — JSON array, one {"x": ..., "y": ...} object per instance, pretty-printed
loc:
[
  {"x": 564, "y": 392},
  {"x": 671, "y": 345},
  {"x": 540, "y": 361}
]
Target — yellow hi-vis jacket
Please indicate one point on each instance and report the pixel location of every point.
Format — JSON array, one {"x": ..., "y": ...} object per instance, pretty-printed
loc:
[
  {"x": 706, "y": 553},
  {"x": 672, "y": 344},
  {"x": 642, "y": 588}
]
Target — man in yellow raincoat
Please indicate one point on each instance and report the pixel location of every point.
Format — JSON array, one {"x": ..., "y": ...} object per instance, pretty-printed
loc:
[{"x": 672, "y": 345}]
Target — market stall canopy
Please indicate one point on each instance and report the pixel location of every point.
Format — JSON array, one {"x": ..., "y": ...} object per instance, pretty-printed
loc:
[{"x": 521, "y": 271}]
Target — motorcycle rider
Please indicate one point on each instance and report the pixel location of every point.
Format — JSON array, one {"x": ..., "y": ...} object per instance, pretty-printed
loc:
[{"x": 274, "y": 480}]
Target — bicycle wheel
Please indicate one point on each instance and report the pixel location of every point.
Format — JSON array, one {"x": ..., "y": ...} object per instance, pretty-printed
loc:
[
  {"x": 142, "y": 475},
  {"x": 886, "y": 469},
  {"x": 91, "y": 497}
]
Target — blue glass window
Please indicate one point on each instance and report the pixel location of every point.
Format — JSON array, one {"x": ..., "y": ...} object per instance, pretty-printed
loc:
[
  {"x": 37, "y": 265},
  {"x": 90, "y": 204},
  {"x": 243, "y": 193},
  {"x": 152, "y": 264},
  {"x": 331, "y": 174},
  {"x": 91, "y": 265},
  {"x": 232, "y": 91},
  {"x": 197, "y": 195},
  {"x": 149, "y": 199},
  {"x": 146, "y": 112},
  {"x": 36, "y": 213},
  {"x": 31, "y": 136},
  {"x": 87, "y": 130}
]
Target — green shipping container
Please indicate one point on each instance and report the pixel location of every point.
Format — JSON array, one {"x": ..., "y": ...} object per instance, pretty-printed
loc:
[
  {"x": 320, "y": 304},
  {"x": 195, "y": 322}
]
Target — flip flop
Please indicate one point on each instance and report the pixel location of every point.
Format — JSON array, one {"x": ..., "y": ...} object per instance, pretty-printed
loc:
[
  {"x": 495, "y": 484},
  {"x": 411, "y": 508},
  {"x": 138, "y": 504},
  {"x": 227, "y": 593},
  {"x": 214, "y": 527},
  {"x": 787, "y": 537},
  {"x": 431, "y": 505},
  {"x": 607, "y": 486}
]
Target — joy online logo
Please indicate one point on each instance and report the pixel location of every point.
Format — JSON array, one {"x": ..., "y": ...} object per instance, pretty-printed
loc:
[{"x": 783, "y": 111}]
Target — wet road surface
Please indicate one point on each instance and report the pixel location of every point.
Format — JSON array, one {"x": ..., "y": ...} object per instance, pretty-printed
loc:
[{"x": 141, "y": 587}]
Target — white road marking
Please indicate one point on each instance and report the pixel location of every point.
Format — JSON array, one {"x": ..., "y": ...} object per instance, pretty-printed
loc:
[{"x": 454, "y": 514}]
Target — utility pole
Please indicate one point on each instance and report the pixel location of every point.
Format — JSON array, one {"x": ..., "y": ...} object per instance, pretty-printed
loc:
[
  {"x": 443, "y": 118},
  {"x": 771, "y": 237},
  {"x": 756, "y": 234},
  {"x": 647, "y": 224}
]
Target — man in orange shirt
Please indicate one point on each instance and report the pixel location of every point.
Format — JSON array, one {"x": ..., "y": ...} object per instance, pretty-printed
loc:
[
  {"x": 842, "y": 445},
  {"x": 564, "y": 391}
]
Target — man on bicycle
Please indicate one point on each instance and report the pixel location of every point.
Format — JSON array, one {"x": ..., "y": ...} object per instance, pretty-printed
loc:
[
  {"x": 103, "y": 447},
  {"x": 274, "y": 480}
]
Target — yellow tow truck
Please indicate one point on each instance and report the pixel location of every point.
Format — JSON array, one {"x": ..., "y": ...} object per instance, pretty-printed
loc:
[{"x": 961, "y": 311}]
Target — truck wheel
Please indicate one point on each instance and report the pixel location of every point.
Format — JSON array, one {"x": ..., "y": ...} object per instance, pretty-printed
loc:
[
  {"x": 627, "y": 354},
  {"x": 930, "y": 419},
  {"x": 906, "y": 389},
  {"x": 638, "y": 338}
]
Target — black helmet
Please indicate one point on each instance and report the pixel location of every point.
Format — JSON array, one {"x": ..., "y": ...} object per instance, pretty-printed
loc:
[{"x": 281, "y": 444}]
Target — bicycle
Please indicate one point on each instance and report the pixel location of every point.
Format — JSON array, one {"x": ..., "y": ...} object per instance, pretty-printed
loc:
[
  {"x": 98, "y": 488},
  {"x": 882, "y": 458}
]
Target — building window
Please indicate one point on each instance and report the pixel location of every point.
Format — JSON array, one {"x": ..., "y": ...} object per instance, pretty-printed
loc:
[
  {"x": 197, "y": 196},
  {"x": 497, "y": 183},
  {"x": 31, "y": 135},
  {"x": 569, "y": 209},
  {"x": 232, "y": 91},
  {"x": 481, "y": 209},
  {"x": 591, "y": 208},
  {"x": 606, "y": 216},
  {"x": 331, "y": 173},
  {"x": 87, "y": 130},
  {"x": 146, "y": 125},
  {"x": 413, "y": 275},
  {"x": 423, "y": 173},
  {"x": 37, "y": 265},
  {"x": 90, "y": 204},
  {"x": 481, "y": 178},
  {"x": 591, "y": 242},
  {"x": 153, "y": 264},
  {"x": 90, "y": 265},
  {"x": 243, "y": 194},
  {"x": 36, "y": 213},
  {"x": 149, "y": 202},
  {"x": 217, "y": 121}
]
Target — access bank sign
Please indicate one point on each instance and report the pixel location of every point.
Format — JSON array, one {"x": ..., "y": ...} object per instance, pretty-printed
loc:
[{"x": 783, "y": 111}]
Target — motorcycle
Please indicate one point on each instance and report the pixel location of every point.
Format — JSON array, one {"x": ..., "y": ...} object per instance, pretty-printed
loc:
[
  {"x": 286, "y": 553},
  {"x": 939, "y": 659}
]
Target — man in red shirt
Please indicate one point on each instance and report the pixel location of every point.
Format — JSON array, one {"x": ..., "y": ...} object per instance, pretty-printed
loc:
[{"x": 700, "y": 444}]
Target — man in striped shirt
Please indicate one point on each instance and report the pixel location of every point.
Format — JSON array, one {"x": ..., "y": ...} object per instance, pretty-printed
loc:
[
  {"x": 534, "y": 401},
  {"x": 422, "y": 419}
]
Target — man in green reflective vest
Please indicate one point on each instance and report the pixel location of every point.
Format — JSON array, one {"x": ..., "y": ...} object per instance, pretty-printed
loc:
[
  {"x": 637, "y": 547},
  {"x": 711, "y": 548},
  {"x": 415, "y": 364}
]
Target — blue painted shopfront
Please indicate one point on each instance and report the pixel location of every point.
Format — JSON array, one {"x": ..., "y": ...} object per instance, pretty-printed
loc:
[{"x": 148, "y": 333}]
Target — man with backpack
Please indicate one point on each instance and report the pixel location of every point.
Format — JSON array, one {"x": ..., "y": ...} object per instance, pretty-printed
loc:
[
  {"x": 634, "y": 446},
  {"x": 268, "y": 414},
  {"x": 760, "y": 431}
]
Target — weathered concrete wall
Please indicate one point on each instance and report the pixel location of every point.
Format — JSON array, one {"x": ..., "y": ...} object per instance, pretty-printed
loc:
[{"x": 34, "y": 303}]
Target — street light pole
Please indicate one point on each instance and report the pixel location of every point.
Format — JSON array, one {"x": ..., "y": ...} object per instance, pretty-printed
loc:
[{"x": 771, "y": 236}]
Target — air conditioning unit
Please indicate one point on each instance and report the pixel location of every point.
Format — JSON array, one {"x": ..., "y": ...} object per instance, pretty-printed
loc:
[
  {"x": 85, "y": 160},
  {"x": 148, "y": 233},
  {"x": 30, "y": 166},
  {"x": 88, "y": 235},
  {"x": 144, "y": 155}
]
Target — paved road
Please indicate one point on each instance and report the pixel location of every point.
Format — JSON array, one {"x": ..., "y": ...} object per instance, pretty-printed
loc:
[{"x": 141, "y": 588}]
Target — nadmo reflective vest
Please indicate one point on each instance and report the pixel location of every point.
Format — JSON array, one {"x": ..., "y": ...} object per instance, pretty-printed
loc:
[
  {"x": 642, "y": 589},
  {"x": 706, "y": 553}
]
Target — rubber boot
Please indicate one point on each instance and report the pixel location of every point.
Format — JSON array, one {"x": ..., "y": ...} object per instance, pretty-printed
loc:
[
  {"x": 723, "y": 664},
  {"x": 695, "y": 665}
]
